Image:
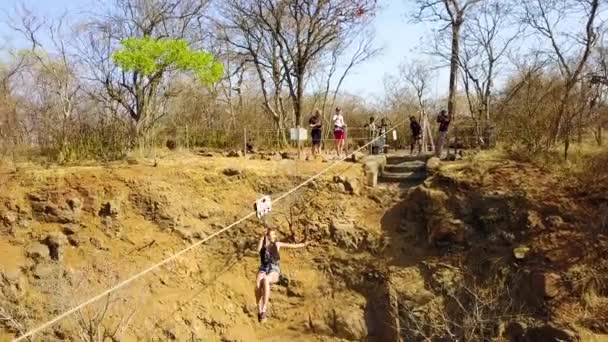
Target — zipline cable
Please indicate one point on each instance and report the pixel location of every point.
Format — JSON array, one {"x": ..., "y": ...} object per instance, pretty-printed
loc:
[{"x": 132, "y": 278}]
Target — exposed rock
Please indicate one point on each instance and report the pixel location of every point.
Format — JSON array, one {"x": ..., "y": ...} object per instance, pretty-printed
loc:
[
  {"x": 345, "y": 234},
  {"x": 75, "y": 240},
  {"x": 546, "y": 285},
  {"x": 109, "y": 209},
  {"x": 338, "y": 187},
  {"x": 210, "y": 210},
  {"x": 295, "y": 289},
  {"x": 515, "y": 331},
  {"x": 521, "y": 252},
  {"x": 352, "y": 186},
  {"x": 425, "y": 201},
  {"x": 318, "y": 325},
  {"x": 289, "y": 155},
  {"x": 55, "y": 242},
  {"x": 71, "y": 229},
  {"x": 551, "y": 332},
  {"x": 38, "y": 251},
  {"x": 555, "y": 222},
  {"x": 446, "y": 278},
  {"x": 357, "y": 157},
  {"x": 47, "y": 211},
  {"x": 8, "y": 218},
  {"x": 534, "y": 220},
  {"x": 98, "y": 244},
  {"x": 43, "y": 270},
  {"x": 433, "y": 164},
  {"x": 350, "y": 324},
  {"x": 235, "y": 154},
  {"x": 339, "y": 179},
  {"x": 184, "y": 233},
  {"x": 444, "y": 229},
  {"x": 408, "y": 285},
  {"x": 231, "y": 172}
]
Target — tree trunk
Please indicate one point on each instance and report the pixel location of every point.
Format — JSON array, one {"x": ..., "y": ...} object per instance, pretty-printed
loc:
[{"x": 454, "y": 68}]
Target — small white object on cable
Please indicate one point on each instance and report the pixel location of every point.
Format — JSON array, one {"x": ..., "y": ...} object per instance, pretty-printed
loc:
[{"x": 263, "y": 206}]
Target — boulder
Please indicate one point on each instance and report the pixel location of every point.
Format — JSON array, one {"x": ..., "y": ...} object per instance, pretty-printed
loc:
[
  {"x": 70, "y": 229},
  {"x": 433, "y": 164},
  {"x": 38, "y": 251},
  {"x": 350, "y": 324}
]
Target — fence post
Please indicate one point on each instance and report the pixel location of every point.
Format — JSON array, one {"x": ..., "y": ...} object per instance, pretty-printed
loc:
[{"x": 244, "y": 141}]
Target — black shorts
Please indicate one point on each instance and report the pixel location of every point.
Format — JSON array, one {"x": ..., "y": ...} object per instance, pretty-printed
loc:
[{"x": 316, "y": 136}]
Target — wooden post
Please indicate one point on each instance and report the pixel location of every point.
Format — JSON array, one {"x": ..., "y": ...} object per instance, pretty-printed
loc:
[{"x": 245, "y": 142}]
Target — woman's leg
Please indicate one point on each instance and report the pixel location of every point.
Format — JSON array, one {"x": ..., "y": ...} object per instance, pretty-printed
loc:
[
  {"x": 270, "y": 279},
  {"x": 259, "y": 290}
]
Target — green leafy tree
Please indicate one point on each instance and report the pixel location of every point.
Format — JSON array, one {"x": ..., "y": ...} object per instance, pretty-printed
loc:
[{"x": 149, "y": 61}]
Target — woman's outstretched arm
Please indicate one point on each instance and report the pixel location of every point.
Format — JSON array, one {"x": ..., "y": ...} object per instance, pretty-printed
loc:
[{"x": 293, "y": 245}]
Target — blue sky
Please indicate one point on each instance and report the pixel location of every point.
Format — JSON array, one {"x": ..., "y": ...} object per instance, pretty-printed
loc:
[{"x": 399, "y": 38}]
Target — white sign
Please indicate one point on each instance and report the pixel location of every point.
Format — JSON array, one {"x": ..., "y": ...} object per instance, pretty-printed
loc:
[
  {"x": 298, "y": 134},
  {"x": 263, "y": 206},
  {"x": 394, "y": 135}
]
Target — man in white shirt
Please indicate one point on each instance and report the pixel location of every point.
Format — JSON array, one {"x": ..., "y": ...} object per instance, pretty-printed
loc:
[{"x": 339, "y": 130}]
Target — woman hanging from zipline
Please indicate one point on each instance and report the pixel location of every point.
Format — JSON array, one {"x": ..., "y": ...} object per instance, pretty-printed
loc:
[{"x": 270, "y": 269}]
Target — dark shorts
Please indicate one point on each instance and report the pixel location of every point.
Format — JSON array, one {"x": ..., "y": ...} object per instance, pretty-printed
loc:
[
  {"x": 339, "y": 134},
  {"x": 316, "y": 134}
]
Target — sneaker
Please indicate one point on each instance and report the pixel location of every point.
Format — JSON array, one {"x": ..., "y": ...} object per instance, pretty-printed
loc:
[
  {"x": 263, "y": 317},
  {"x": 259, "y": 316}
]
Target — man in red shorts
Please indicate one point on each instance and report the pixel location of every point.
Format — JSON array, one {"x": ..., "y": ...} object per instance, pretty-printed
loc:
[{"x": 339, "y": 131}]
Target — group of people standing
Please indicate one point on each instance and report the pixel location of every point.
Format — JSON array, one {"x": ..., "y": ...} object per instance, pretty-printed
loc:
[
  {"x": 316, "y": 131},
  {"x": 375, "y": 131}
]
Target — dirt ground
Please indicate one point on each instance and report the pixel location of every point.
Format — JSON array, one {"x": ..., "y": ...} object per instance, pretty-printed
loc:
[{"x": 68, "y": 233}]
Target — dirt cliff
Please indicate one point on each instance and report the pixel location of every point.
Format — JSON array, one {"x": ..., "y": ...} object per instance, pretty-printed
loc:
[{"x": 479, "y": 251}]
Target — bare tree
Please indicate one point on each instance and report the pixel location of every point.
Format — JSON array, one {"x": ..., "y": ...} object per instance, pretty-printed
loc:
[
  {"x": 53, "y": 66},
  {"x": 364, "y": 50},
  {"x": 295, "y": 34},
  {"x": 546, "y": 19},
  {"x": 452, "y": 13},
  {"x": 487, "y": 37}
]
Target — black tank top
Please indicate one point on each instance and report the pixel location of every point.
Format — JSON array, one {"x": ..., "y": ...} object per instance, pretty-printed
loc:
[{"x": 269, "y": 254}]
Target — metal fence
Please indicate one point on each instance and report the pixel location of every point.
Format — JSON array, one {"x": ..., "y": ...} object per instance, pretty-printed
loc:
[{"x": 459, "y": 137}]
